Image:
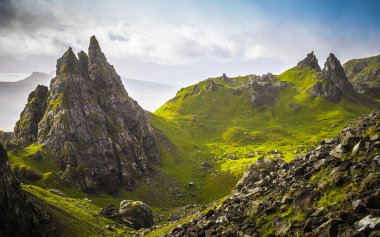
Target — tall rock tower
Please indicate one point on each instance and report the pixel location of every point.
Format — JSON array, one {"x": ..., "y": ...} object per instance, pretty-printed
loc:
[{"x": 99, "y": 135}]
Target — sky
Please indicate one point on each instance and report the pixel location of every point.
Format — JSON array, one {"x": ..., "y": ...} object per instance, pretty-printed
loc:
[{"x": 182, "y": 42}]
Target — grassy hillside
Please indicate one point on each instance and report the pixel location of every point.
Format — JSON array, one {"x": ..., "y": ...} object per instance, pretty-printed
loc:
[
  {"x": 221, "y": 126},
  {"x": 364, "y": 73},
  {"x": 363, "y": 67}
]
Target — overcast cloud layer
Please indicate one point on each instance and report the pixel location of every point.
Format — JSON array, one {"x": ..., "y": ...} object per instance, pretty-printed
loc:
[{"x": 159, "y": 40}]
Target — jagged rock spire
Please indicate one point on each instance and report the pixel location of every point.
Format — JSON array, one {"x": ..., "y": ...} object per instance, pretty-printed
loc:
[
  {"x": 310, "y": 61},
  {"x": 95, "y": 54},
  {"x": 93, "y": 127},
  {"x": 68, "y": 63},
  {"x": 333, "y": 84},
  {"x": 334, "y": 67},
  {"x": 26, "y": 129}
]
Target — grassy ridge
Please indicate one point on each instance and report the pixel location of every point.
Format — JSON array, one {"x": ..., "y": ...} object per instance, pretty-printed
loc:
[{"x": 225, "y": 129}]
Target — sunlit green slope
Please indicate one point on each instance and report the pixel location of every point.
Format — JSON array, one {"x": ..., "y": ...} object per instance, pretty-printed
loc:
[{"x": 223, "y": 127}]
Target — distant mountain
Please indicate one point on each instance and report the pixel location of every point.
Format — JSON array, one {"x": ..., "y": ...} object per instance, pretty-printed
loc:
[
  {"x": 13, "y": 96},
  {"x": 364, "y": 74}
]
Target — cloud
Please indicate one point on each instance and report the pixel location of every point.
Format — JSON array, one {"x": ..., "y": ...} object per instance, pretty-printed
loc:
[
  {"x": 27, "y": 15},
  {"x": 41, "y": 27}
]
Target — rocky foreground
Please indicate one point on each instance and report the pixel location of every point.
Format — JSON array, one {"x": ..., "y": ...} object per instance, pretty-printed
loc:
[
  {"x": 19, "y": 217},
  {"x": 332, "y": 190}
]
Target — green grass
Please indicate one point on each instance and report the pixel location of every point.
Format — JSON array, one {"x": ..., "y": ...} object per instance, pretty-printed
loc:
[
  {"x": 333, "y": 197},
  {"x": 224, "y": 128},
  {"x": 73, "y": 217}
]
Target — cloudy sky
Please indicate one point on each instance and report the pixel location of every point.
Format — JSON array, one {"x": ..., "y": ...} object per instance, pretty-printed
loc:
[{"x": 181, "y": 42}]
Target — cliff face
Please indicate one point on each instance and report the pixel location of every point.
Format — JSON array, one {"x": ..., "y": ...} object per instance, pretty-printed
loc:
[
  {"x": 334, "y": 84},
  {"x": 26, "y": 129},
  {"x": 98, "y": 134},
  {"x": 18, "y": 216}
]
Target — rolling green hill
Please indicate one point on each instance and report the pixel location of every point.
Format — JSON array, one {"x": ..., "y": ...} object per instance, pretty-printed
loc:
[{"x": 223, "y": 127}]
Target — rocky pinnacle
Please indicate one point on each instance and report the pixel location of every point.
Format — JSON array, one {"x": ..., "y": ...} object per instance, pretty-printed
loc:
[
  {"x": 333, "y": 84},
  {"x": 310, "y": 61},
  {"x": 100, "y": 137}
]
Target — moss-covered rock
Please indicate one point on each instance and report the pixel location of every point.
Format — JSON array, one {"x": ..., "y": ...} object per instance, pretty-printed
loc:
[{"x": 138, "y": 213}]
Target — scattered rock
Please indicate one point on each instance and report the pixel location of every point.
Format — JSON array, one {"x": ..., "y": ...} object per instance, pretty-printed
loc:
[{"x": 300, "y": 198}]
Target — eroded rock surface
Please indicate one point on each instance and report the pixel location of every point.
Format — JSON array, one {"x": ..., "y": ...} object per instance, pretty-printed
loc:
[{"x": 100, "y": 137}]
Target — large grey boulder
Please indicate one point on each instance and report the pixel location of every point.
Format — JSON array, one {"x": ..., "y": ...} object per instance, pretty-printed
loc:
[{"x": 137, "y": 213}]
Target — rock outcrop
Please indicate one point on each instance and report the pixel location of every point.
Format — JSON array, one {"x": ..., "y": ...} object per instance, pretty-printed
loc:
[
  {"x": 26, "y": 129},
  {"x": 332, "y": 190},
  {"x": 310, "y": 61},
  {"x": 18, "y": 215},
  {"x": 100, "y": 137},
  {"x": 5, "y": 136},
  {"x": 364, "y": 74},
  {"x": 263, "y": 90},
  {"x": 333, "y": 84},
  {"x": 135, "y": 214}
]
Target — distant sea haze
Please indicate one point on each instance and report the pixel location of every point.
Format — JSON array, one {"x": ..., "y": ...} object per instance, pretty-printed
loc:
[{"x": 12, "y": 77}]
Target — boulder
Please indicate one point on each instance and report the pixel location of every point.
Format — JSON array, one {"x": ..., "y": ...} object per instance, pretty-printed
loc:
[
  {"x": 137, "y": 213},
  {"x": 368, "y": 223}
]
